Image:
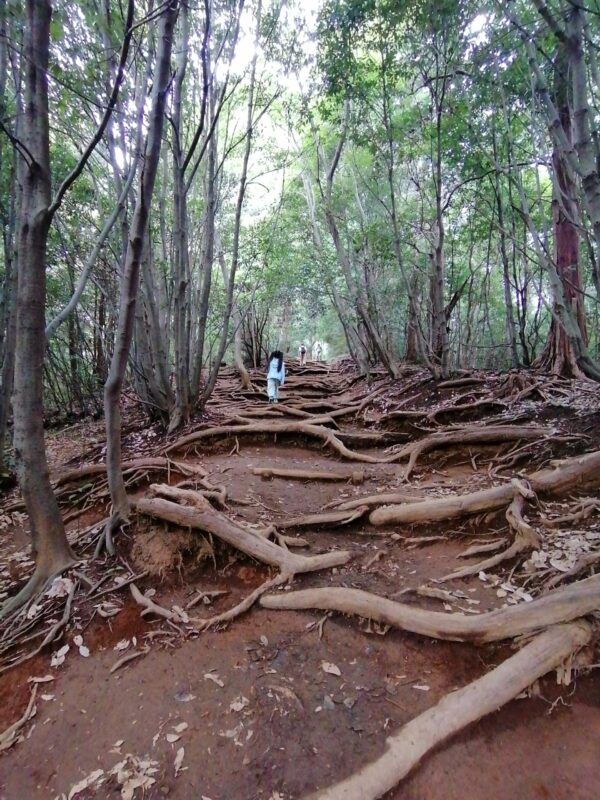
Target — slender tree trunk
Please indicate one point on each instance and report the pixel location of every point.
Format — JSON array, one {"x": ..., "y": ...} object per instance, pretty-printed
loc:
[
  {"x": 130, "y": 277},
  {"x": 210, "y": 384},
  {"x": 50, "y": 547},
  {"x": 508, "y": 301},
  {"x": 208, "y": 254},
  {"x": 182, "y": 408}
]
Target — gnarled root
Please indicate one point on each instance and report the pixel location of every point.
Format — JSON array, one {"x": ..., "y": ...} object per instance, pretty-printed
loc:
[
  {"x": 40, "y": 578},
  {"x": 158, "y": 463},
  {"x": 454, "y": 712},
  {"x": 308, "y": 475},
  {"x": 376, "y": 500},
  {"x": 212, "y": 521},
  {"x": 561, "y": 605},
  {"x": 52, "y": 634},
  {"x": 525, "y": 538},
  {"x": 246, "y": 603},
  {"x": 569, "y": 473},
  {"x": 302, "y": 428},
  {"x": 326, "y": 518},
  {"x": 150, "y": 607},
  {"x": 11, "y": 734},
  {"x": 466, "y": 436}
]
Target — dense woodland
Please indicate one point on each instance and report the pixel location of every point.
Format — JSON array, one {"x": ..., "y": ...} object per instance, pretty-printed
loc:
[{"x": 185, "y": 187}]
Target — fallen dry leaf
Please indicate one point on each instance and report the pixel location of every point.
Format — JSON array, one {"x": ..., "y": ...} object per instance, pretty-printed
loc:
[
  {"x": 95, "y": 777},
  {"x": 208, "y": 676},
  {"x": 181, "y": 727},
  {"x": 331, "y": 669},
  {"x": 239, "y": 703},
  {"x": 179, "y": 761},
  {"x": 59, "y": 656}
]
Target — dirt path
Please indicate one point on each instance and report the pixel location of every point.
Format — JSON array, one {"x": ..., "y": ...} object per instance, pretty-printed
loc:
[{"x": 273, "y": 706}]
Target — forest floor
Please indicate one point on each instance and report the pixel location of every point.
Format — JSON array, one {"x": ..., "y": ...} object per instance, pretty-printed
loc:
[{"x": 275, "y": 704}]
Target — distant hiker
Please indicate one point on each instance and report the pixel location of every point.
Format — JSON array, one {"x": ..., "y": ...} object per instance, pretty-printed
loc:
[
  {"x": 275, "y": 375},
  {"x": 302, "y": 354},
  {"x": 318, "y": 351}
]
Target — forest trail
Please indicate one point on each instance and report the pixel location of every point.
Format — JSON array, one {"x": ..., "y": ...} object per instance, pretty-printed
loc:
[{"x": 276, "y": 704}]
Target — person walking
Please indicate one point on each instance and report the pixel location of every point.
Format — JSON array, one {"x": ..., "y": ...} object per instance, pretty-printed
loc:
[
  {"x": 275, "y": 375},
  {"x": 302, "y": 354}
]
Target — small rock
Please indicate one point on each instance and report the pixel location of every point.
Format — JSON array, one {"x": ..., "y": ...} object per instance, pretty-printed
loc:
[{"x": 328, "y": 703}]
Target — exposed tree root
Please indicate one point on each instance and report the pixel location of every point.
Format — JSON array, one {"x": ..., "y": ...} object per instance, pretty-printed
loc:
[
  {"x": 308, "y": 475},
  {"x": 159, "y": 463},
  {"x": 488, "y": 547},
  {"x": 11, "y": 735},
  {"x": 561, "y": 605},
  {"x": 371, "y": 438},
  {"x": 454, "y": 712},
  {"x": 587, "y": 506},
  {"x": 582, "y": 563},
  {"x": 377, "y": 500},
  {"x": 484, "y": 402},
  {"x": 52, "y": 634},
  {"x": 569, "y": 474},
  {"x": 246, "y": 603},
  {"x": 326, "y": 518},
  {"x": 525, "y": 539},
  {"x": 40, "y": 578},
  {"x": 150, "y": 607},
  {"x": 212, "y": 521},
  {"x": 129, "y": 657},
  {"x": 467, "y": 436},
  {"x": 302, "y": 428},
  {"x": 455, "y": 383}
]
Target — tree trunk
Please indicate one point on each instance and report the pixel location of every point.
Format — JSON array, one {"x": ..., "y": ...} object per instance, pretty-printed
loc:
[
  {"x": 210, "y": 384},
  {"x": 50, "y": 547},
  {"x": 508, "y": 301},
  {"x": 182, "y": 409},
  {"x": 130, "y": 277},
  {"x": 558, "y": 356}
]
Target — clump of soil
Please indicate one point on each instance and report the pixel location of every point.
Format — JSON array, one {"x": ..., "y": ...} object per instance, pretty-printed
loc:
[{"x": 160, "y": 551}]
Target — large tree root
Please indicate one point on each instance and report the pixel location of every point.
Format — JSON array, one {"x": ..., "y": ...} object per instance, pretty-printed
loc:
[
  {"x": 326, "y": 518},
  {"x": 246, "y": 603},
  {"x": 308, "y": 475},
  {"x": 525, "y": 539},
  {"x": 484, "y": 402},
  {"x": 158, "y": 463},
  {"x": 41, "y": 577},
  {"x": 383, "y": 499},
  {"x": 466, "y": 436},
  {"x": 568, "y": 474},
  {"x": 454, "y": 712},
  {"x": 301, "y": 428},
  {"x": 212, "y": 521},
  {"x": 561, "y": 605}
]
